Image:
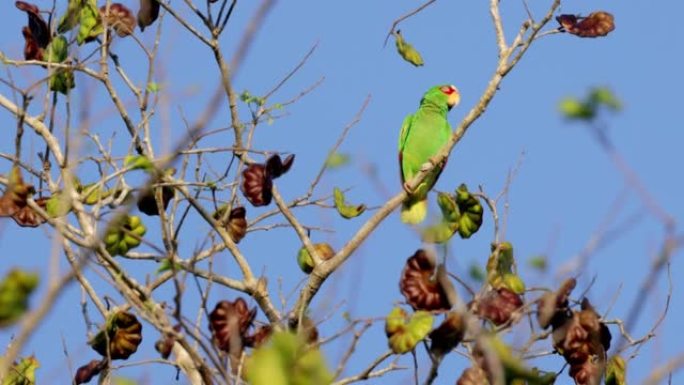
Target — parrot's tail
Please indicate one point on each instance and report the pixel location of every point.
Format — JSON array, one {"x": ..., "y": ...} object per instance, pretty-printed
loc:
[{"x": 414, "y": 211}]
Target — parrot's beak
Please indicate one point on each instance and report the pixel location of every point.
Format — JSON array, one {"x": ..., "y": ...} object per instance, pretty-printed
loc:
[{"x": 454, "y": 98}]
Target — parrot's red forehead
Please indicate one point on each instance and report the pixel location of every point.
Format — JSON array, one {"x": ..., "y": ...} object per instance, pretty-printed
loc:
[{"x": 448, "y": 90}]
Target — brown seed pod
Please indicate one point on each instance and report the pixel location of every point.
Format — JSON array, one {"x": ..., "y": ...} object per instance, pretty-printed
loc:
[
  {"x": 86, "y": 372},
  {"x": 418, "y": 285},
  {"x": 164, "y": 345},
  {"x": 256, "y": 185},
  {"x": 120, "y": 18},
  {"x": 123, "y": 331},
  {"x": 235, "y": 224},
  {"x": 498, "y": 306},
  {"x": 583, "y": 341},
  {"x": 596, "y": 24},
  {"x": 275, "y": 167},
  {"x": 148, "y": 204},
  {"x": 16, "y": 194},
  {"x": 148, "y": 13},
  {"x": 36, "y": 34},
  {"x": 552, "y": 308},
  {"x": 308, "y": 329},
  {"x": 229, "y": 322},
  {"x": 27, "y": 217},
  {"x": 260, "y": 336},
  {"x": 473, "y": 376},
  {"x": 448, "y": 334}
]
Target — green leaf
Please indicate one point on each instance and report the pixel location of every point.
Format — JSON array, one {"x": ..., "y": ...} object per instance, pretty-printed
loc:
[
  {"x": 165, "y": 265},
  {"x": 574, "y": 109},
  {"x": 124, "y": 381},
  {"x": 406, "y": 50},
  {"x": 476, "y": 273},
  {"x": 57, "y": 49},
  {"x": 346, "y": 210},
  {"x": 538, "y": 262},
  {"x": 153, "y": 87},
  {"x": 602, "y": 96},
  {"x": 23, "y": 372},
  {"x": 615, "y": 371},
  {"x": 336, "y": 160},
  {"x": 61, "y": 80},
  {"x": 15, "y": 290},
  {"x": 138, "y": 162},
  {"x": 70, "y": 18},
  {"x": 91, "y": 24},
  {"x": 287, "y": 360}
]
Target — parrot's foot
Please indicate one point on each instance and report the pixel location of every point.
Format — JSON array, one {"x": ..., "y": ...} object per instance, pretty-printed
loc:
[{"x": 408, "y": 188}]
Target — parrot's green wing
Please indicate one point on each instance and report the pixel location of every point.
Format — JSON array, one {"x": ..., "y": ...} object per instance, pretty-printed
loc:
[{"x": 405, "y": 128}]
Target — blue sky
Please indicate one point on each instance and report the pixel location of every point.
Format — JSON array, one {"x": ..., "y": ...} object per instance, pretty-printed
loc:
[{"x": 562, "y": 191}]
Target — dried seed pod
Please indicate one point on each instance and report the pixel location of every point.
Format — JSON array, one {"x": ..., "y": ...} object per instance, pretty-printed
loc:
[
  {"x": 418, "y": 285},
  {"x": 229, "y": 322},
  {"x": 275, "y": 167},
  {"x": 305, "y": 261},
  {"x": 148, "y": 13},
  {"x": 123, "y": 331},
  {"x": 583, "y": 341},
  {"x": 256, "y": 185},
  {"x": 448, "y": 334},
  {"x": 260, "y": 336},
  {"x": 147, "y": 203},
  {"x": 36, "y": 34},
  {"x": 120, "y": 18},
  {"x": 596, "y": 24},
  {"x": 308, "y": 329},
  {"x": 499, "y": 306},
  {"x": 16, "y": 193},
  {"x": 235, "y": 224},
  {"x": 473, "y": 376},
  {"x": 27, "y": 217},
  {"x": 552, "y": 308},
  {"x": 164, "y": 344},
  {"x": 86, "y": 372}
]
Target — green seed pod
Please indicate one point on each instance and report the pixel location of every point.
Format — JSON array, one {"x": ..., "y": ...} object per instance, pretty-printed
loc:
[
  {"x": 346, "y": 210},
  {"x": 15, "y": 290},
  {"x": 305, "y": 260},
  {"x": 403, "y": 336},
  {"x": 407, "y": 51},
  {"x": 471, "y": 212}
]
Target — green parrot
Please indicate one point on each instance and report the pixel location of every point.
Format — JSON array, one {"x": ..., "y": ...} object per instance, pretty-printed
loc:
[{"x": 423, "y": 134}]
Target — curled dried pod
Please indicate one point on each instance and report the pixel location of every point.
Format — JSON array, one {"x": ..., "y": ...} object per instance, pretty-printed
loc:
[
  {"x": 473, "y": 376},
  {"x": 16, "y": 193},
  {"x": 596, "y": 24},
  {"x": 120, "y": 18},
  {"x": 256, "y": 185},
  {"x": 164, "y": 345},
  {"x": 275, "y": 167},
  {"x": 419, "y": 286},
  {"x": 553, "y": 308},
  {"x": 260, "y": 336},
  {"x": 583, "y": 341},
  {"x": 307, "y": 329},
  {"x": 499, "y": 306},
  {"x": 229, "y": 322},
  {"x": 86, "y": 372},
  {"x": 148, "y": 13},
  {"x": 448, "y": 334},
  {"x": 120, "y": 337},
  {"x": 235, "y": 224},
  {"x": 147, "y": 203},
  {"x": 27, "y": 217},
  {"x": 36, "y": 34}
]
